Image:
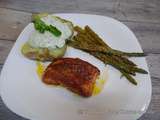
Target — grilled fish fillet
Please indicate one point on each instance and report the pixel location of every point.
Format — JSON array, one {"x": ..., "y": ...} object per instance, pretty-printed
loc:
[{"x": 73, "y": 73}]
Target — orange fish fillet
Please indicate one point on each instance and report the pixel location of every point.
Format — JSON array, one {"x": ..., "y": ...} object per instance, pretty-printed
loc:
[{"x": 73, "y": 73}]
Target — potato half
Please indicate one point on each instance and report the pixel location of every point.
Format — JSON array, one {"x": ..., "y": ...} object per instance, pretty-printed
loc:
[{"x": 42, "y": 54}]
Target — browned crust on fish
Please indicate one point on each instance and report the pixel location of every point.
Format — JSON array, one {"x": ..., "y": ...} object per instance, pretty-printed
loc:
[{"x": 73, "y": 73}]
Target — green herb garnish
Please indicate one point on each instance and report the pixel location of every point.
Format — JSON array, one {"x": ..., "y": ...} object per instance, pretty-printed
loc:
[
  {"x": 53, "y": 30},
  {"x": 42, "y": 27}
]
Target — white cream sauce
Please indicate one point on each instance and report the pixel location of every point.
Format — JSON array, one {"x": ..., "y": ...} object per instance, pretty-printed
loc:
[{"x": 47, "y": 39}]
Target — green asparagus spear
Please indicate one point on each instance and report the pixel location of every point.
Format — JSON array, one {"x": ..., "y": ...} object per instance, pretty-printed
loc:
[
  {"x": 116, "y": 52},
  {"x": 133, "y": 54},
  {"x": 88, "y": 41},
  {"x": 129, "y": 78},
  {"x": 94, "y": 48}
]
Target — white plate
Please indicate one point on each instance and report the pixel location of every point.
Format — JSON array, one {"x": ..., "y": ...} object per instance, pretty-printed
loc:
[{"x": 24, "y": 93}]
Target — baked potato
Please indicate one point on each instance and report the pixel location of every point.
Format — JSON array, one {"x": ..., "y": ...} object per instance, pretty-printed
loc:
[
  {"x": 45, "y": 46},
  {"x": 42, "y": 54}
]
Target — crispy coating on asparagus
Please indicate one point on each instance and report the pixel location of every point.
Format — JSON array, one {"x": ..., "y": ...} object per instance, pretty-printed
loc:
[{"x": 88, "y": 41}]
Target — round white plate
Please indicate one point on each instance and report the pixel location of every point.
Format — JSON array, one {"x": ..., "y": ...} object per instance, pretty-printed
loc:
[{"x": 24, "y": 93}]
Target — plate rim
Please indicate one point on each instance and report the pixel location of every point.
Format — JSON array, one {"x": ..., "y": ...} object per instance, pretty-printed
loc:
[{"x": 84, "y": 14}]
